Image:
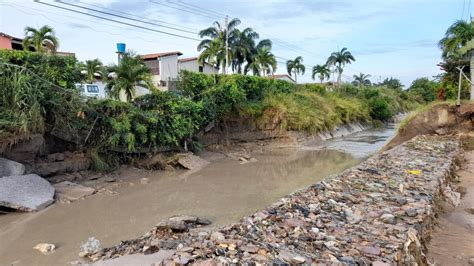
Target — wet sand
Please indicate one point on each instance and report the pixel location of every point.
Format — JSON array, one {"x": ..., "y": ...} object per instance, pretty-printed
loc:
[{"x": 453, "y": 243}]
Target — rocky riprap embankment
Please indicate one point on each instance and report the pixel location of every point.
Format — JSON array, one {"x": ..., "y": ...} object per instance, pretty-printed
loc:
[{"x": 378, "y": 212}]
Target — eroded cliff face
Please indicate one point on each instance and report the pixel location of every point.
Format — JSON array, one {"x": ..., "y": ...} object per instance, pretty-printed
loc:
[
  {"x": 249, "y": 130},
  {"x": 441, "y": 119}
]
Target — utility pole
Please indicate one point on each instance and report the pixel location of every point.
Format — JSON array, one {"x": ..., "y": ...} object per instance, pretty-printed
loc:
[
  {"x": 471, "y": 54},
  {"x": 458, "y": 102},
  {"x": 226, "y": 43}
]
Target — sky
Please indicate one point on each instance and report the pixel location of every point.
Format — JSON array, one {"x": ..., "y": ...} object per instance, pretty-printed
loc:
[{"x": 388, "y": 38}]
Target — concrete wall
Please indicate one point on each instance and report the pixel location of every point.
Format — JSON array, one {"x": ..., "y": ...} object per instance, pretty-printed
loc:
[
  {"x": 168, "y": 67},
  {"x": 194, "y": 67},
  {"x": 5, "y": 43}
]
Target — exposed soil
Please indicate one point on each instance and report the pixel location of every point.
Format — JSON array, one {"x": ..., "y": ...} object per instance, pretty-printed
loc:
[
  {"x": 441, "y": 119},
  {"x": 453, "y": 243}
]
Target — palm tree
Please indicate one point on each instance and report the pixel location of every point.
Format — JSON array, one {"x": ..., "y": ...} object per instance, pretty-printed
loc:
[
  {"x": 218, "y": 34},
  {"x": 92, "y": 69},
  {"x": 242, "y": 48},
  {"x": 263, "y": 62},
  {"x": 131, "y": 72},
  {"x": 457, "y": 35},
  {"x": 42, "y": 39},
  {"x": 339, "y": 59},
  {"x": 362, "y": 80},
  {"x": 322, "y": 71},
  {"x": 211, "y": 54},
  {"x": 295, "y": 66}
]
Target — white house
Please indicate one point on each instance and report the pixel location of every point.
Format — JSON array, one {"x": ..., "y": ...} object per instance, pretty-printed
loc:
[
  {"x": 284, "y": 77},
  {"x": 163, "y": 66},
  {"x": 192, "y": 64},
  {"x": 95, "y": 90}
]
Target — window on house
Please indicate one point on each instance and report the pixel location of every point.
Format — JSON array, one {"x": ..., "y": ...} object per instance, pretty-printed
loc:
[
  {"x": 92, "y": 88},
  {"x": 80, "y": 87},
  {"x": 201, "y": 69}
]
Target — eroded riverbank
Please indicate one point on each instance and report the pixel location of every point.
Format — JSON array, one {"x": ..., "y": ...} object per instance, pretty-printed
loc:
[
  {"x": 224, "y": 191},
  {"x": 381, "y": 212}
]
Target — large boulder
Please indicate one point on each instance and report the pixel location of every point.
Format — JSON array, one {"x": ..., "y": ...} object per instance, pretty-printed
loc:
[
  {"x": 8, "y": 167},
  {"x": 25, "y": 192}
]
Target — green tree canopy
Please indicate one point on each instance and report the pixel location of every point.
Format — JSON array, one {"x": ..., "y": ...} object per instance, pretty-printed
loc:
[
  {"x": 131, "y": 72},
  {"x": 295, "y": 67},
  {"x": 322, "y": 71},
  {"x": 42, "y": 39}
]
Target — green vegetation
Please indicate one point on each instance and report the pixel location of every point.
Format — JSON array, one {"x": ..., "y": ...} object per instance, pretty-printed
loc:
[
  {"x": 38, "y": 94},
  {"x": 362, "y": 80},
  {"x": 339, "y": 59},
  {"x": 41, "y": 40},
  {"x": 130, "y": 73},
  {"x": 295, "y": 67},
  {"x": 322, "y": 71},
  {"x": 243, "y": 51}
]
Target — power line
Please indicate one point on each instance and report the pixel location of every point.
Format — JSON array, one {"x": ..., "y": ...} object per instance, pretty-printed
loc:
[
  {"x": 81, "y": 19},
  {"x": 117, "y": 21},
  {"x": 185, "y": 10},
  {"x": 463, "y": 6},
  {"x": 129, "y": 14},
  {"x": 196, "y": 8},
  {"x": 125, "y": 17},
  {"x": 201, "y": 8}
]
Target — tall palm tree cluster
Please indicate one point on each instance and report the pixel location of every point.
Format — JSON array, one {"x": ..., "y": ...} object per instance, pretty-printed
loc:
[
  {"x": 246, "y": 53},
  {"x": 334, "y": 64}
]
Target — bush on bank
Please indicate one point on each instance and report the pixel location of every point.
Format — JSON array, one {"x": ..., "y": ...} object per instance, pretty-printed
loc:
[{"x": 31, "y": 105}]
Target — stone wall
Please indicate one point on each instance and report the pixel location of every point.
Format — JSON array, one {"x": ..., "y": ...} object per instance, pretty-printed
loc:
[{"x": 380, "y": 212}]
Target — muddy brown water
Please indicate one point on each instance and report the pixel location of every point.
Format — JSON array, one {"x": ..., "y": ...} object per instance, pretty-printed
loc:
[{"x": 224, "y": 191}]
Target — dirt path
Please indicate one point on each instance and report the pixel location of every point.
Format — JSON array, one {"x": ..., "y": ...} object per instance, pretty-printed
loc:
[{"x": 453, "y": 243}]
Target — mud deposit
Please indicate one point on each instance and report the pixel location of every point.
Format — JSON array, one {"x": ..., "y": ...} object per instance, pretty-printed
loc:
[{"x": 223, "y": 191}]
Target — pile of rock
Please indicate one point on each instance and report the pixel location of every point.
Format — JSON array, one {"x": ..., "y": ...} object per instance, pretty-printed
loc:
[{"x": 378, "y": 212}]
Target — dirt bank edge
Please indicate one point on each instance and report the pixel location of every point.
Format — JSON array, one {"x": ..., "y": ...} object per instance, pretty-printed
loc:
[{"x": 381, "y": 211}]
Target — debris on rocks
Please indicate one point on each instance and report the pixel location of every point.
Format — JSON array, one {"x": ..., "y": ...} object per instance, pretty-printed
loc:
[
  {"x": 25, "y": 192},
  {"x": 90, "y": 247},
  {"x": 375, "y": 213},
  {"x": 45, "y": 248},
  {"x": 190, "y": 161}
]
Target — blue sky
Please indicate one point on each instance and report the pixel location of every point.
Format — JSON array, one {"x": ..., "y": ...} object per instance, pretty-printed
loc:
[{"x": 395, "y": 38}]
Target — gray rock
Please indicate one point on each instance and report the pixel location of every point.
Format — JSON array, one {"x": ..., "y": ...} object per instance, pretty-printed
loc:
[
  {"x": 388, "y": 218},
  {"x": 25, "y": 192},
  {"x": 8, "y": 168},
  {"x": 411, "y": 212},
  {"x": 352, "y": 217},
  {"x": 217, "y": 236}
]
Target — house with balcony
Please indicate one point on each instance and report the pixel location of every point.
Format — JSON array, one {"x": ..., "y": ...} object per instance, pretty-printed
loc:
[{"x": 165, "y": 67}]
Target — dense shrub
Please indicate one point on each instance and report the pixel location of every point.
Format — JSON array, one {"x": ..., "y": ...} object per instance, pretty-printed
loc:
[
  {"x": 30, "y": 99},
  {"x": 60, "y": 70},
  {"x": 153, "y": 120}
]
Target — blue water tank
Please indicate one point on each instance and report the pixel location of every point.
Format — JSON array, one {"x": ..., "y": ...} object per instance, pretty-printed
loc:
[{"x": 121, "y": 48}]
